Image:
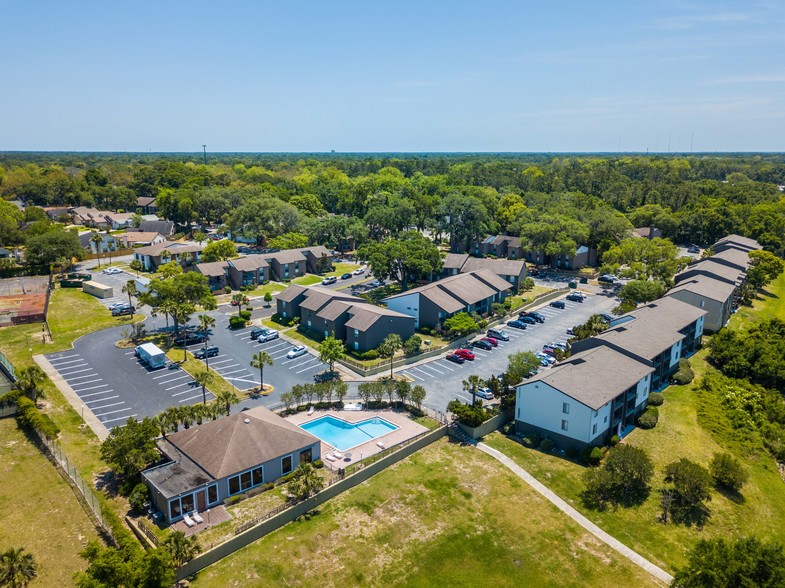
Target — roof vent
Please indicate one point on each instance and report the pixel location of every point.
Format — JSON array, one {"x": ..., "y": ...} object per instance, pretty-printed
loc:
[{"x": 247, "y": 421}]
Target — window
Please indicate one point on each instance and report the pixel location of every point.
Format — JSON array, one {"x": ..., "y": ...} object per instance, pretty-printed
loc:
[
  {"x": 356, "y": 333},
  {"x": 703, "y": 303},
  {"x": 605, "y": 420},
  {"x": 595, "y": 413},
  {"x": 564, "y": 425},
  {"x": 286, "y": 464},
  {"x": 246, "y": 480},
  {"x": 234, "y": 485},
  {"x": 212, "y": 494},
  {"x": 565, "y": 407},
  {"x": 174, "y": 509},
  {"x": 257, "y": 476},
  {"x": 188, "y": 503},
  {"x": 306, "y": 456},
  {"x": 356, "y": 345},
  {"x": 594, "y": 429}
]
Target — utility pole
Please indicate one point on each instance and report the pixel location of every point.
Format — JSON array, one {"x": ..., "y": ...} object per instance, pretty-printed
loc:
[{"x": 204, "y": 149}]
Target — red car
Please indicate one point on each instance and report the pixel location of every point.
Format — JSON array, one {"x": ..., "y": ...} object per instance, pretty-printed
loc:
[
  {"x": 465, "y": 354},
  {"x": 492, "y": 341}
]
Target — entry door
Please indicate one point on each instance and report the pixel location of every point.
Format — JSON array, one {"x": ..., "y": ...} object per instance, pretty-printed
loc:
[{"x": 201, "y": 501}]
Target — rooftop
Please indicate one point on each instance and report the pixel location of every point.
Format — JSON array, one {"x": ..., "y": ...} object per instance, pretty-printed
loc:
[
  {"x": 733, "y": 256},
  {"x": 214, "y": 269},
  {"x": 707, "y": 287},
  {"x": 500, "y": 267},
  {"x": 712, "y": 268},
  {"x": 455, "y": 292},
  {"x": 249, "y": 263},
  {"x": 744, "y": 242}
]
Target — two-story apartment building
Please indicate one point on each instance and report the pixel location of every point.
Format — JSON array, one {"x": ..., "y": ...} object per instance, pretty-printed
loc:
[
  {"x": 584, "y": 400},
  {"x": 510, "y": 270},
  {"x": 154, "y": 255},
  {"x": 714, "y": 296},
  {"x": 736, "y": 242},
  {"x": 431, "y": 304}
]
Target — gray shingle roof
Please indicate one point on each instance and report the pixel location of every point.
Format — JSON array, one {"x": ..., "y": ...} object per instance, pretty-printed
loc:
[
  {"x": 249, "y": 263},
  {"x": 707, "y": 287},
  {"x": 212, "y": 268},
  {"x": 455, "y": 260},
  {"x": 734, "y": 256},
  {"x": 454, "y": 292},
  {"x": 286, "y": 256},
  {"x": 712, "y": 268},
  {"x": 744, "y": 242},
  {"x": 594, "y": 377},
  {"x": 500, "y": 267}
]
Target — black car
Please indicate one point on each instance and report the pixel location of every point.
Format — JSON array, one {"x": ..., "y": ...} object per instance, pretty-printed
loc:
[
  {"x": 516, "y": 324},
  {"x": 557, "y": 304},
  {"x": 694, "y": 249},
  {"x": 537, "y": 317},
  {"x": 574, "y": 297},
  {"x": 189, "y": 338},
  {"x": 346, "y": 276},
  {"x": 530, "y": 320},
  {"x": 482, "y": 345},
  {"x": 123, "y": 310},
  {"x": 204, "y": 353},
  {"x": 455, "y": 358},
  {"x": 256, "y": 331}
]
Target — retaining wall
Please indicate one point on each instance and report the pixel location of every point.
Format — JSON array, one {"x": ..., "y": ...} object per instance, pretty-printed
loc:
[{"x": 490, "y": 425}]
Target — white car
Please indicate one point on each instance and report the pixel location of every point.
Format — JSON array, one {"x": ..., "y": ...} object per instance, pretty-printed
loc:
[
  {"x": 359, "y": 271},
  {"x": 484, "y": 393},
  {"x": 297, "y": 351},
  {"x": 112, "y": 270}
]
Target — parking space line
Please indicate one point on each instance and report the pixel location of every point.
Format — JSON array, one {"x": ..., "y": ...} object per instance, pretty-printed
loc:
[
  {"x": 91, "y": 388},
  {"x": 192, "y": 397},
  {"x": 291, "y": 360},
  {"x": 88, "y": 382},
  {"x": 163, "y": 376},
  {"x": 232, "y": 372},
  {"x": 63, "y": 357},
  {"x": 279, "y": 355},
  {"x": 77, "y": 371},
  {"x": 419, "y": 379},
  {"x": 122, "y": 418},
  {"x": 180, "y": 384},
  {"x": 70, "y": 361},
  {"x": 223, "y": 367},
  {"x": 129, "y": 353},
  {"x": 430, "y": 367},
  {"x": 302, "y": 363},
  {"x": 241, "y": 333},
  {"x": 97, "y": 393},
  {"x": 446, "y": 366},
  {"x": 68, "y": 368},
  {"x": 422, "y": 372},
  {"x": 183, "y": 392},
  {"x": 112, "y": 412},
  {"x": 80, "y": 378},
  {"x": 104, "y": 400},
  {"x": 219, "y": 356},
  {"x": 174, "y": 379},
  {"x": 241, "y": 379},
  {"x": 309, "y": 368}
]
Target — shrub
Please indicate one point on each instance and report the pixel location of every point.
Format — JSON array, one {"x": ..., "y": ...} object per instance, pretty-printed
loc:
[
  {"x": 685, "y": 374},
  {"x": 656, "y": 399},
  {"x": 138, "y": 497},
  {"x": 236, "y": 322},
  {"x": 370, "y": 355},
  {"x": 426, "y": 331},
  {"x": 318, "y": 464},
  {"x": 649, "y": 418},
  {"x": 592, "y": 455},
  {"x": 527, "y": 442},
  {"x": 508, "y": 428},
  {"x": 536, "y": 439},
  {"x": 546, "y": 444},
  {"x": 572, "y": 453},
  {"x": 245, "y": 315},
  {"x": 413, "y": 345},
  {"x": 614, "y": 441},
  {"x": 728, "y": 472},
  {"x": 234, "y": 499},
  {"x": 622, "y": 479},
  {"x": 227, "y": 289},
  {"x": 30, "y": 416}
]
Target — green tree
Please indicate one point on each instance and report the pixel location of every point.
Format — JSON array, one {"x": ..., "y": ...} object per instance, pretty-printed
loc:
[
  {"x": 178, "y": 295},
  {"x": 305, "y": 481},
  {"x": 643, "y": 259},
  {"x": 49, "y": 248},
  {"x": 413, "y": 345},
  {"x": 239, "y": 300},
  {"x": 521, "y": 364},
  {"x": 460, "y": 324},
  {"x": 268, "y": 298},
  {"x": 685, "y": 501},
  {"x": 136, "y": 266},
  {"x": 219, "y": 251},
  {"x": 17, "y": 569},
  {"x": 29, "y": 380},
  {"x": 400, "y": 259},
  {"x": 719, "y": 563},
  {"x": 181, "y": 549},
  {"x": 199, "y": 237},
  {"x": 259, "y": 360},
  {"x": 638, "y": 292},
  {"x": 203, "y": 377},
  {"x": 389, "y": 346},
  {"x": 330, "y": 351},
  {"x": 288, "y": 241},
  {"x": 765, "y": 267},
  {"x": 622, "y": 480},
  {"x": 206, "y": 322},
  {"x": 403, "y": 391},
  {"x": 130, "y": 448},
  {"x": 465, "y": 218},
  {"x": 225, "y": 399},
  {"x": 471, "y": 384},
  {"x": 593, "y": 326},
  {"x": 263, "y": 218},
  {"x": 130, "y": 289},
  {"x": 728, "y": 472},
  {"x": 553, "y": 234},
  {"x": 97, "y": 238}
]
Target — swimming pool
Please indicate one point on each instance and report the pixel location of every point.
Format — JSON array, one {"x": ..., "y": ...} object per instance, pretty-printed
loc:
[{"x": 344, "y": 435}]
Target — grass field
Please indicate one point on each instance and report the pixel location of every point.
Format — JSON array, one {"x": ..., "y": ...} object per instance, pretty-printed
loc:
[
  {"x": 678, "y": 434},
  {"x": 307, "y": 280},
  {"x": 38, "y": 510},
  {"x": 446, "y": 516},
  {"x": 342, "y": 268}
]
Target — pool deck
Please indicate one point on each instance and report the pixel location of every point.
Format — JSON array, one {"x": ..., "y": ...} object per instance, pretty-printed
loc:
[{"x": 407, "y": 429}]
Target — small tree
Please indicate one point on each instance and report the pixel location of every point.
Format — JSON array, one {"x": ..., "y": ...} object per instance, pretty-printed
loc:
[
  {"x": 365, "y": 390},
  {"x": 330, "y": 351},
  {"x": 389, "y": 346},
  {"x": 417, "y": 395},
  {"x": 341, "y": 390},
  {"x": 261, "y": 359},
  {"x": 521, "y": 364},
  {"x": 136, "y": 266},
  {"x": 461, "y": 324},
  {"x": 130, "y": 448},
  {"x": 413, "y": 345},
  {"x": 305, "y": 481},
  {"x": 297, "y": 394},
  {"x": 17, "y": 569},
  {"x": 239, "y": 300},
  {"x": 622, "y": 479},
  {"x": 138, "y": 497},
  {"x": 403, "y": 390},
  {"x": 130, "y": 289},
  {"x": 182, "y": 549},
  {"x": 29, "y": 381},
  {"x": 206, "y": 322},
  {"x": 690, "y": 491},
  {"x": 226, "y": 398},
  {"x": 471, "y": 384},
  {"x": 203, "y": 378},
  {"x": 287, "y": 400},
  {"x": 718, "y": 563},
  {"x": 728, "y": 472},
  {"x": 268, "y": 298},
  {"x": 97, "y": 238}
]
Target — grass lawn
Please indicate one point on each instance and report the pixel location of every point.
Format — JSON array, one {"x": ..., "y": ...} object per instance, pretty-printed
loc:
[
  {"x": 678, "y": 434},
  {"x": 446, "y": 516},
  {"x": 307, "y": 280},
  {"x": 271, "y": 287},
  {"x": 39, "y": 510},
  {"x": 192, "y": 365},
  {"x": 342, "y": 268}
]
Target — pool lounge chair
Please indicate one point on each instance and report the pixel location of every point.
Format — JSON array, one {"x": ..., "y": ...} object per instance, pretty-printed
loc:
[
  {"x": 380, "y": 444},
  {"x": 310, "y": 411},
  {"x": 329, "y": 457},
  {"x": 338, "y": 455},
  {"x": 188, "y": 521},
  {"x": 197, "y": 517}
]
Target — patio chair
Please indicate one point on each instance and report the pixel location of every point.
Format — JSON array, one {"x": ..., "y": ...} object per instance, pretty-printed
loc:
[
  {"x": 189, "y": 521},
  {"x": 310, "y": 411},
  {"x": 329, "y": 457},
  {"x": 380, "y": 444},
  {"x": 338, "y": 455},
  {"x": 197, "y": 517}
]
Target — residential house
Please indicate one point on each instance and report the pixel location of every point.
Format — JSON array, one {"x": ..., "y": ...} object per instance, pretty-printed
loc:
[
  {"x": 89, "y": 217},
  {"x": 154, "y": 255},
  {"x": 710, "y": 267},
  {"x": 431, "y": 304},
  {"x": 736, "y": 242},
  {"x": 55, "y": 213},
  {"x": 140, "y": 238},
  {"x": 217, "y": 273},
  {"x": 287, "y": 264},
  {"x": 250, "y": 270},
  {"x": 496, "y": 245},
  {"x": 324, "y": 312},
  {"x": 585, "y": 399},
  {"x": 119, "y": 220},
  {"x": 108, "y": 242},
  {"x": 512, "y": 271},
  {"x": 165, "y": 228},
  {"x": 647, "y": 232},
  {"x": 583, "y": 256},
  {"x": 210, "y": 462},
  {"x": 716, "y": 297},
  {"x": 659, "y": 334},
  {"x": 318, "y": 259},
  {"x": 146, "y": 205}
]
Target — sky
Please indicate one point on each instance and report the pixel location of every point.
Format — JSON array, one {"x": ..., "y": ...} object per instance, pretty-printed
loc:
[{"x": 411, "y": 76}]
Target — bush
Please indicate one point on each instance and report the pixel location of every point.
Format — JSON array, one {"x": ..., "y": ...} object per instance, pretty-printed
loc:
[
  {"x": 546, "y": 444},
  {"x": 527, "y": 442},
  {"x": 685, "y": 374},
  {"x": 30, "y": 416},
  {"x": 656, "y": 399},
  {"x": 535, "y": 438},
  {"x": 614, "y": 441},
  {"x": 138, "y": 497},
  {"x": 413, "y": 345},
  {"x": 234, "y": 499},
  {"x": 318, "y": 464},
  {"x": 227, "y": 289},
  {"x": 245, "y": 314},
  {"x": 649, "y": 418},
  {"x": 572, "y": 453},
  {"x": 426, "y": 331},
  {"x": 592, "y": 456},
  {"x": 622, "y": 479},
  {"x": 370, "y": 355},
  {"x": 236, "y": 322},
  {"x": 728, "y": 472},
  {"x": 260, "y": 489}
]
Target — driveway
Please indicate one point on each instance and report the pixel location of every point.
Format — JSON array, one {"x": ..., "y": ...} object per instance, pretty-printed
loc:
[{"x": 443, "y": 380}]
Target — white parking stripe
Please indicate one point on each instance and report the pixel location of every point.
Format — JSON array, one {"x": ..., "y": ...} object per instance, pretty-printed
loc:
[
  {"x": 422, "y": 372},
  {"x": 69, "y": 380},
  {"x": 68, "y": 368},
  {"x": 416, "y": 377},
  {"x": 430, "y": 367},
  {"x": 104, "y": 400},
  {"x": 181, "y": 384},
  {"x": 233, "y": 371},
  {"x": 174, "y": 379},
  {"x": 69, "y": 361},
  {"x": 91, "y": 388},
  {"x": 291, "y": 360},
  {"x": 87, "y": 382},
  {"x": 112, "y": 412},
  {"x": 185, "y": 392},
  {"x": 279, "y": 355},
  {"x": 309, "y": 368},
  {"x": 302, "y": 363},
  {"x": 97, "y": 393},
  {"x": 240, "y": 377},
  {"x": 77, "y": 371},
  {"x": 63, "y": 357},
  {"x": 165, "y": 375},
  {"x": 276, "y": 346},
  {"x": 225, "y": 367},
  {"x": 242, "y": 333},
  {"x": 129, "y": 352},
  {"x": 122, "y": 418},
  {"x": 212, "y": 363},
  {"x": 446, "y": 366},
  {"x": 192, "y": 397}
]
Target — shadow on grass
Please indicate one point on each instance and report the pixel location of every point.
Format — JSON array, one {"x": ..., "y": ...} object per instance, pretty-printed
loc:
[
  {"x": 733, "y": 495},
  {"x": 767, "y": 294}
]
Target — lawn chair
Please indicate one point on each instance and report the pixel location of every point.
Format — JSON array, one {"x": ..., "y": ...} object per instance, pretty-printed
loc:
[
  {"x": 189, "y": 521},
  {"x": 310, "y": 411},
  {"x": 338, "y": 454},
  {"x": 380, "y": 444},
  {"x": 329, "y": 457},
  {"x": 197, "y": 517}
]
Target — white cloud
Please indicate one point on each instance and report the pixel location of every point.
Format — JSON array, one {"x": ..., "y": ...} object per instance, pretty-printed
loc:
[
  {"x": 683, "y": 22},
  {"x": 748, "y": 79}
]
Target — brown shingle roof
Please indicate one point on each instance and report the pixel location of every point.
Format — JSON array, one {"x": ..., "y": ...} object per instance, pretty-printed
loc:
[
  {"x": 594, "y": 377},
  {"x": 212, "y": 268},
  {"x": 317, "y": 251},
  {"x": 454, "y": 292},
  {"x": 365, "y": 315},
  {"x": 286, "y": 256},
  {"x": 291, "y": 293},
  {"x": 139, "y": 237},
  {"x": 241, "y": 441},
  {"x": 500, "y": 267},
  {"x": 455, "y": 260},
  {"x": 174, "y": 247},
  {"x": 712, "y": 268},
  {"x": 249, "y": 263}
]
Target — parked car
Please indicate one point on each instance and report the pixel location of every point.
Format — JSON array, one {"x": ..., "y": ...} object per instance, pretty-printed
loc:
[
  {"x": 329, "y": 280},
  {"x": 297, "y": 351},
  {"x": 455, "y": 358},
  {"x": 263, "y": 335},
  {"x": 608, "y": 278},
  {"x": 123, "y": 310},
  {"x": 491, "y": 340},
  {"x": 529, "y": 320},
  {"x": 574, "y": 297},
  {"x": 189, "y": 338},
  {"x": 206, "y": 352},
  {"x": 117, "y": 305},
  {"x": 359, "y": 271},
  {"x": 498, "y": 334},
  {"x": 482, "y": 344},
  {"x": 465, "y": 354},
  {"x": 112, "y": 270},
  {"x": 516, "y": 324},
  {"x": 346, "y": 276},
  {"x": 377, "y": 283},
  {"x": 694, "y": 249},
  {"x": 548, "y": 359},
  {"x": 558, "y": 304},
  {"x": 484, "y": 393},
  {"x": 606, "y": 317}
]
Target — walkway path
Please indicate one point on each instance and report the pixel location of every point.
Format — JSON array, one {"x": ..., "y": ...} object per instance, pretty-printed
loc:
[{"x": 633, "y": 556}]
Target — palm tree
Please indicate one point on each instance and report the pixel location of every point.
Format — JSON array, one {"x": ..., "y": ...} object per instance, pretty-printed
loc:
[
  {"x": 166, "y": 255},
  {"x": 471, "y": 384},
  {"x": 97, "y": 238},
  {"x": 187, "y": 416},
  {"x": 28, "y": 381},
  {"x": 205, "y": 323},
  {"x": 169, "y": 420},
  {"x": 136, "y": 266},
  {"x": 182, "y": 549},
  {"x": 130, "y": 289},
  {"x": 240, "y": 299},
  {"x": 201, "y": 412},
  {"x": 203, "y": 378},
  {"x": 226, "y": 398},
  {"x": 389, "y": 346},
  {"x": 17, "y": 569},
  {"x": 306, "y": 481},
  {"x": 261, "y": 359}
]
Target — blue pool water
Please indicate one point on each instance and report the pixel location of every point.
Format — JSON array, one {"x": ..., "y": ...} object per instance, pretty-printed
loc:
[{"x": 343, "y": 435}]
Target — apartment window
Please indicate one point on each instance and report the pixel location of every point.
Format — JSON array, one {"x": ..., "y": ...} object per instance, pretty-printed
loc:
[
  {"x": 605, "y": 420},
  {"x": 564, "y": 425},
  {"x": 356, "y": 332},
  {"x": 309, "y": 324},
  {"x": 594, "y": 429},
  {"x": 703, "y": 303},
  {"x": 212, "y": 494},
  {"x": 306, "y": 456},
  {"x": 286, "y": 464},
  {"x": 565, "y": 407},
  {"x": 595, "y": 413},
  {"x": 245, "y": 480}
]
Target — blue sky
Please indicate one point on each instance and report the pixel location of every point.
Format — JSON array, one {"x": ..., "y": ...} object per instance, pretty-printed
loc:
[{"x": 392, "y": 76}]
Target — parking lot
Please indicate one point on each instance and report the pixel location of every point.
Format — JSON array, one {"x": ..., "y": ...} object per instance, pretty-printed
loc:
[
  {"x": 114, "y": 385},
  {"x": 116, "y": 281},
  {"x": 443, "y": 380}
]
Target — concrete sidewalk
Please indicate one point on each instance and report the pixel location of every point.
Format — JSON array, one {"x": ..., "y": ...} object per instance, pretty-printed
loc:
[{"x": 612, "y": 542}]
